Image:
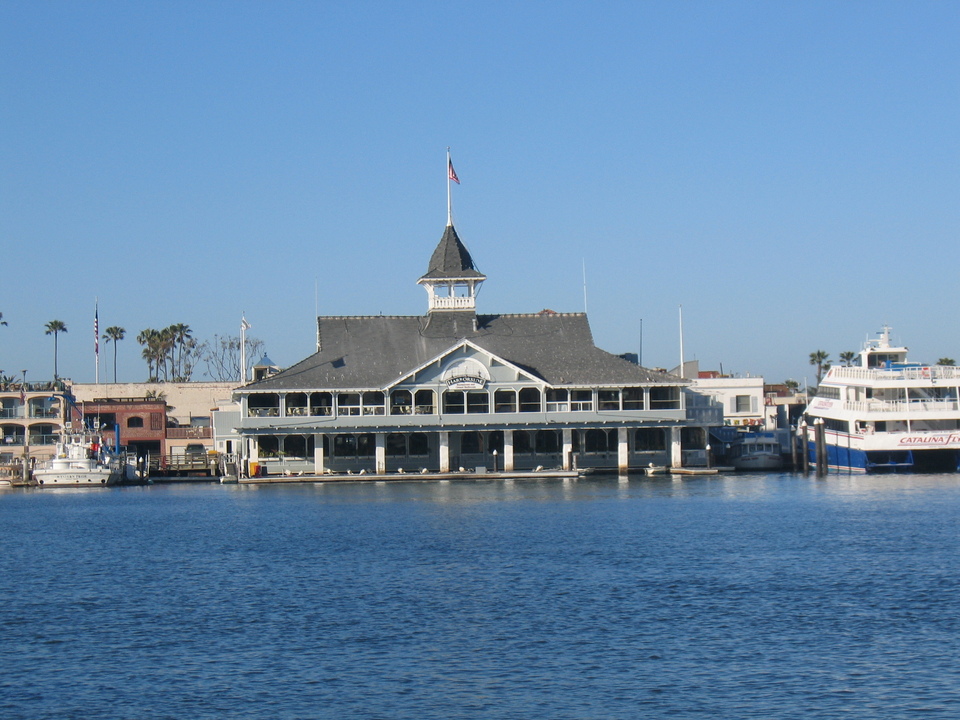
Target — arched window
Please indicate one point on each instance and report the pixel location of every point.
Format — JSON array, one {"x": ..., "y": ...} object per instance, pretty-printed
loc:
[
  {"x": 530, "y": 400},
  {"x": 401, "y": 402},
  {"x": 505, "y": 401},
  {"x": 134, "y": 422},
  {"x": 423, "y": 402}
]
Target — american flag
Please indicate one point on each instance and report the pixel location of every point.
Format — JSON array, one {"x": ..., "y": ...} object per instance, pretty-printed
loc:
[{"x": 452, "y": 173}]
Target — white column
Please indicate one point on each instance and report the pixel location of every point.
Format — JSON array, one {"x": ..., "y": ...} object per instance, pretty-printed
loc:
[
  {"x": 623, "y": 450},
  {"x": 508, "y": 450},
  {"x": 676, "y": 449},
  {"x": 444, "y": 451},
  {"x": 381, "y": 451},
  {"x": 318, "y": 454},
  {"x": 567, "y": 449}
]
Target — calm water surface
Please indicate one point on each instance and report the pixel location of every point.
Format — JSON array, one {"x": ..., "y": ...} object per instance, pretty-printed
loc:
[{"x": 767, "y": 596}]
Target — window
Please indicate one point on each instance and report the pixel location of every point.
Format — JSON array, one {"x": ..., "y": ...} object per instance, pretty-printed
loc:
[
  {"x": 548, "y": 441},
  {"x": 296, "y": 404},
  {"x": 598, "y": 441},
  {"x": 419, "y": 445},
  {"x": 396, "y": 445},
  {"x": 530, "y": 400},
  {"x": 348, "y": 404},
  {"x": 401, "y": 402},
  {"x": 557, "y": 400},
  {"x": 608, "y": 399},
  {"x": 521, "y": 442},
  {"x": 478, "y": 401},
  {"x": 344, "y": 446},
  {"x": 156, "y": 421},
  {"x": 581, "y": 400},
  {"x": 505, "y": 401},
  {"x": 373, "y": 403},
  {"x": 454, "y": 402},
  {"x": 470, "y": 443},
  {"x": 134, "y": 422},
  {"x": 321, "y": 404},
  {"x": 741, "y": 404},
  {"x": 650, "y": 439},
  {"x": 366, "y": 445},
  {"x": 633, "y": 398},
  {"x": 424, "y": 402},
  {"x": 665, "y": 398}
]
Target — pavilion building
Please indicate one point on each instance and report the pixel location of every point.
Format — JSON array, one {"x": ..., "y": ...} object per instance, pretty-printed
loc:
[{"x": 455, "y": 390}]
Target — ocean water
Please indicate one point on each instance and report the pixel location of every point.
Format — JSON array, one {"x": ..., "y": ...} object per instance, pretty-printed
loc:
[{"x": 762, "y": 596}]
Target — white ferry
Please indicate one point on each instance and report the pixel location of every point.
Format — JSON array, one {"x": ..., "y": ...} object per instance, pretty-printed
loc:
[{"x": 885, "y": 414}]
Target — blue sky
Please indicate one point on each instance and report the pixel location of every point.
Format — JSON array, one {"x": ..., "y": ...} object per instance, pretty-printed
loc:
[{"x": 787, "y": 172}]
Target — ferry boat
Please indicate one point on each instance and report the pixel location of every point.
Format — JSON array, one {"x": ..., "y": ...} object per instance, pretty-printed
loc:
[
  {"x": 886, "y": 414},
  {"x": 82, "y": 460}
]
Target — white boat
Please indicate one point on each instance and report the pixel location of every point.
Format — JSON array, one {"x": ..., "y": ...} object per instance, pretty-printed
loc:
[
  {"x": 82, "y": 460},
  {"x": 885, "y": 414},
  {"x": 756, "y": 451}
]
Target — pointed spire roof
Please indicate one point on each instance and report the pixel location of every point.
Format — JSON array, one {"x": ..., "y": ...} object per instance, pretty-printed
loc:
[{"x": 451, "y": 260}]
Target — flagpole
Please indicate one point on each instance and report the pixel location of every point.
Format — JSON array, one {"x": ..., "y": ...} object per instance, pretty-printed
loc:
[
  {"x": 449, "y": 199},
  {"x": 96, "y": 336},
  {"x": 243, "y": 348}
]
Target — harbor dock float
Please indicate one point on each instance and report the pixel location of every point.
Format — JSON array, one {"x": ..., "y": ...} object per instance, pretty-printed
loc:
[{"x": 410, "y": 476}]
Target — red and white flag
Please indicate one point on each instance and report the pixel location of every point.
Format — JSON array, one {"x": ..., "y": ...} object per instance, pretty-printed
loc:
[{"x": 451, "y": 173}]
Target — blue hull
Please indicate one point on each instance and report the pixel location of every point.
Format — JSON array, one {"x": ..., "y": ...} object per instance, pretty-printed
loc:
[{"x": 849, "y": 460}]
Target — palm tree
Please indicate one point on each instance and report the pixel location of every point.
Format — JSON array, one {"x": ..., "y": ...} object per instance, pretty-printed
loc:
[
  {"x": 148, "y": 338},
  {"x": 182, "y": 337},
  {"x": 55, "y": 327},
  {"x": 949, "y": 362},
  {"x": 116, "y": 334},
  {"x": 821, "y": 359}
]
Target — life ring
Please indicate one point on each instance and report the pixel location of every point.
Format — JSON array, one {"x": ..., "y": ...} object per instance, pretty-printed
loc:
[{"x": 925, "y": 372}]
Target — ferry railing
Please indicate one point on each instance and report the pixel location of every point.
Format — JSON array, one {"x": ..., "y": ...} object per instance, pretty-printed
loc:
[
  {"x": 901, "y": 406},
  {"x": 924, "y": 372}
]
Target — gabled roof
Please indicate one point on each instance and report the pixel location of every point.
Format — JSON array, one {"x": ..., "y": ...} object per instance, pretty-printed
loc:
[
  {"x": 373, "y": 351},
  {"x": 451, "y": 259}
]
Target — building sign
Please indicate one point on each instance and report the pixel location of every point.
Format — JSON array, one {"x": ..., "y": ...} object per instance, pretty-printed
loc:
[{"x": 466, "y": 374}]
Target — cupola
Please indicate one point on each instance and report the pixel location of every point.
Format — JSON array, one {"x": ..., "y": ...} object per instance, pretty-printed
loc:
[{"x": 452, "y": 280}]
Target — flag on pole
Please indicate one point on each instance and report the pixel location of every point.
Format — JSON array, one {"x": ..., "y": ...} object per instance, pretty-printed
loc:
[
  {"x": 451, "y": 173},
  {"x": 96, "y": 330},
  {"x": 244, "y": 325}
]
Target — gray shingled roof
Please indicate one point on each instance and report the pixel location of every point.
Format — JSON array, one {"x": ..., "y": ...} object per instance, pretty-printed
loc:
[
  {"x": 451, "y": 259},
  {"x": 374, "y": 351}
]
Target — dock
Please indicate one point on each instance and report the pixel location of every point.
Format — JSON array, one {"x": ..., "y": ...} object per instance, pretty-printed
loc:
[{"x": 412, "y": 477}]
